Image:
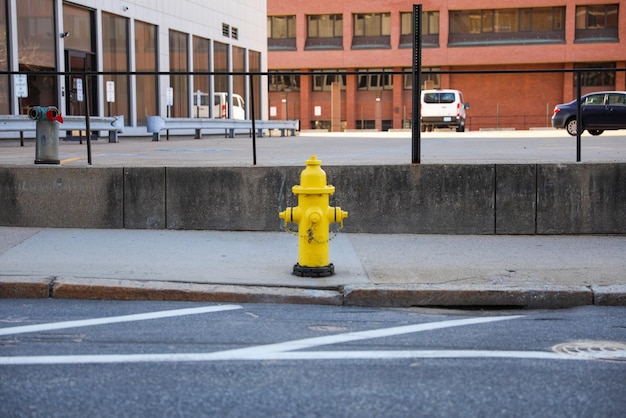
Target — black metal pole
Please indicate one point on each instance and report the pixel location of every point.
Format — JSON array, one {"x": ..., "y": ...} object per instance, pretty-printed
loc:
[
  {"x": 87, "y": 122},
  {"x": 417, "y": 84},
  {"x": 579, "y": 120},
  {"x": 253, "y": 117}
]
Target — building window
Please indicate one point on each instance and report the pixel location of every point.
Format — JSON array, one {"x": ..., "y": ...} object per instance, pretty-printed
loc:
[
  {"x": 323, "y": 81},
  {"x": 254, "y": 66},
  {"x": 597, "y": 23},
  {"x": 372, "y": 31},
  {"x": 429, "y": 80},
  {"x": 507, "y": 26},
  {"x": 282, "y": 82},
  {"x": 115, "y": 58},
  {"x": 220, "y": 66},
  {"x": 239, "y": 66},
  {"x": 430, "y": 29},
  {"x": 281, "y": 33},
  {"x": 179, "y": 82},
  {"x": 374, "y": 80},
  {"x": 324, "y": 32},
  {"x": 37, "y": 49},
  {"x": 599, "y": 78},
  {"x": 4, "y": 62},
  {"x": 146, "y": 60},
  {"x": 201, "y": 80}
]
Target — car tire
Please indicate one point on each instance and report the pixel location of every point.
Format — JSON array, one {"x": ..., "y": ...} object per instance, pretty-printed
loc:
[
  {"x": 595, "y": 132},
  {"x": 570, "y": 127}
]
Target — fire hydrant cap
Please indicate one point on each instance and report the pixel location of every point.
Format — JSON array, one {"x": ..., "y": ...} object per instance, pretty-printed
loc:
[{"x": 313, "y": 179}]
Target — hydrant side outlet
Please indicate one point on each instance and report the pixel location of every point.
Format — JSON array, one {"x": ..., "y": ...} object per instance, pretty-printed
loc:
[{"x": 313, "y": 216}]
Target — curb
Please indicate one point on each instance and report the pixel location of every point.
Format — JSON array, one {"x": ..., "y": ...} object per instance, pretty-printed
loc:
[{"x": 397, "y": 296}]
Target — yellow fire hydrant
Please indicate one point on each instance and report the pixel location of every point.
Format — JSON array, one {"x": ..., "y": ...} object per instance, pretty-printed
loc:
[{"x": 313, "y": 216}]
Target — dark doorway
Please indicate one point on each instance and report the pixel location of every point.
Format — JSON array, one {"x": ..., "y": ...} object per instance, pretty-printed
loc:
[{"x": 76, "y": 64}]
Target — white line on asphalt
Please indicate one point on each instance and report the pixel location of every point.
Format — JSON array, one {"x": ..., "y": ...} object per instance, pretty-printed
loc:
[
  {"x": 284, "y": 351},
  {"x": 115, "y": 319},
  {"x": 269, "y": 356},
  {"x": 363, "y": 335}
]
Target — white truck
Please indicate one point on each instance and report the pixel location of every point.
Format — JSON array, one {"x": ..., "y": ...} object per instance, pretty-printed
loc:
[
  {"x": 220, "y": 106},
  {"x": 443, "y": 109}
]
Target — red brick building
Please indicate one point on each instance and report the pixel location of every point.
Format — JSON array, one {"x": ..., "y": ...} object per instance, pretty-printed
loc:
[{"x": 365, "y": 38}]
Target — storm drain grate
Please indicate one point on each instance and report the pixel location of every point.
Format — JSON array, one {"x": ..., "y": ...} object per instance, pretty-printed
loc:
[{"x": 593, "y": 350}]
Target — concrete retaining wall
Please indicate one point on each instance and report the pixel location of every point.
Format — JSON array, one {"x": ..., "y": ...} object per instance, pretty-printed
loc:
[{"x": 415, "y": 199}]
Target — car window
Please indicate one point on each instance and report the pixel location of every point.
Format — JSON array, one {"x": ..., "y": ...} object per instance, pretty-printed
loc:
[
  {"x": 447, "y": 98},
  {"x": 594, "y": 99},
  {"x": 431, "y": 98},
  {"x": 617, "y": 99}
]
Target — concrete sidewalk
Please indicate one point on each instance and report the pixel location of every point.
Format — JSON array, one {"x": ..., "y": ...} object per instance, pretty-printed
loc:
[{"x": 370, "y": 270}]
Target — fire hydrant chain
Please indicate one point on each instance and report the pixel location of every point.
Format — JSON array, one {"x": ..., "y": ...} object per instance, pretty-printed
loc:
[{"x": 332, "y": 234}]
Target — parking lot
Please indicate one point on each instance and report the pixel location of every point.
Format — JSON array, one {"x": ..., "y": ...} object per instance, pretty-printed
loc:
[{"x": 345, "y": 148}]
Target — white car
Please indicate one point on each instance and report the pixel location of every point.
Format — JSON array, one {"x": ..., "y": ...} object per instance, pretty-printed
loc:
[
  {"x": 443, "y": 109},
  {"x": 220, "y": 106}
]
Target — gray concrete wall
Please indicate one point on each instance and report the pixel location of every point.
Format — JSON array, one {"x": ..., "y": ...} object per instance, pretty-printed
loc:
[{"x": 412, "y": 199}]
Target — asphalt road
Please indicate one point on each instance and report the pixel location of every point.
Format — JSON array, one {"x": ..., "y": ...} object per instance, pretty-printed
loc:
[
  {"x": 348, "y": 148},
  {"x": 76, "y": 358}
]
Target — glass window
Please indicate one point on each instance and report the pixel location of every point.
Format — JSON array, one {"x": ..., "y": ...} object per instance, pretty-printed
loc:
[
  {"x": 430, "y": 23},
  {"x": 179, "y": 83},
  {"x": 115, "y": 58},
  {"x": 323, "y": 82},
  {"x": 506, "y": 20},
  {"x": 594, "y": 100},
  {"x": 146, "y": 60},
  {"x": 281, "y": 27},
  {"x": 373, "y": 24},
  {"x": 220, "y": 64},
  {"x": 37, "y": 49},
  {"x": 433, "y": 81},
  {"x": 239, "y": 66},
  {"x": 501, "y": 26},
  {"x": 283, "y": 82},
  {"x": 602, "y": 16},
  {"x": 374, "y": 80},
  {"x": 325, "y": 26},
  {"x": 254, "y": 66},
  {"x": 201, "y": 49},
  {"x": 617, "y": 99},
  {"x": 596, "y": 77},
  {"x": 4, "y": 62},
  {"x": 77, "y": 21}
]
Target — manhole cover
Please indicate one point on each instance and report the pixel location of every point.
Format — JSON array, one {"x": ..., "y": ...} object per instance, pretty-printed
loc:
[{"x": 593, "y": 350}]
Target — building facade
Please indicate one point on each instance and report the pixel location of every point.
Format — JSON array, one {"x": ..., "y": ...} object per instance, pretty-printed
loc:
[
  {"x": 145, "y": 38},
  {"x": 370, "y": 41}
]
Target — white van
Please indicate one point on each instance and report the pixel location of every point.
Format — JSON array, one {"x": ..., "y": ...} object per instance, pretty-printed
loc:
[
  {"x": 220, "y": 106},
  {"x": 443, "y": 109}
]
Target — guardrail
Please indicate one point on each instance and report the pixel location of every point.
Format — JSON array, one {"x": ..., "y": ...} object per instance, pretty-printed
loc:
[
  {"x": 156, "y": 124},
  {"x": 21, "y": 123}
]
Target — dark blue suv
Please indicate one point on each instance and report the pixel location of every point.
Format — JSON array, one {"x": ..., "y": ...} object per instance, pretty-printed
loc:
[{"x": 600, "y": 111}]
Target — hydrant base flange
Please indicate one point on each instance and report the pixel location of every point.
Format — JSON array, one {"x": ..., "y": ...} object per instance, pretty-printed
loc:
[
  {"x": 325, "y": 271},
  {"x": 48, "y": 162}
]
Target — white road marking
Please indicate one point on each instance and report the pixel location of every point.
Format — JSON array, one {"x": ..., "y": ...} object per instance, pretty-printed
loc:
[
  {"x": 299, "y": 355},
  {"x": 285, "y": 350},
  {"x": 363, "y": 335},
  {"x": 115, "y": 319}
]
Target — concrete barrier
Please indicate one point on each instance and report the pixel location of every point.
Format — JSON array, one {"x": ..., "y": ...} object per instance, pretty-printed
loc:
[
  {"x": 412, "y": 199},
  {"x": 61, "y": 197}
]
